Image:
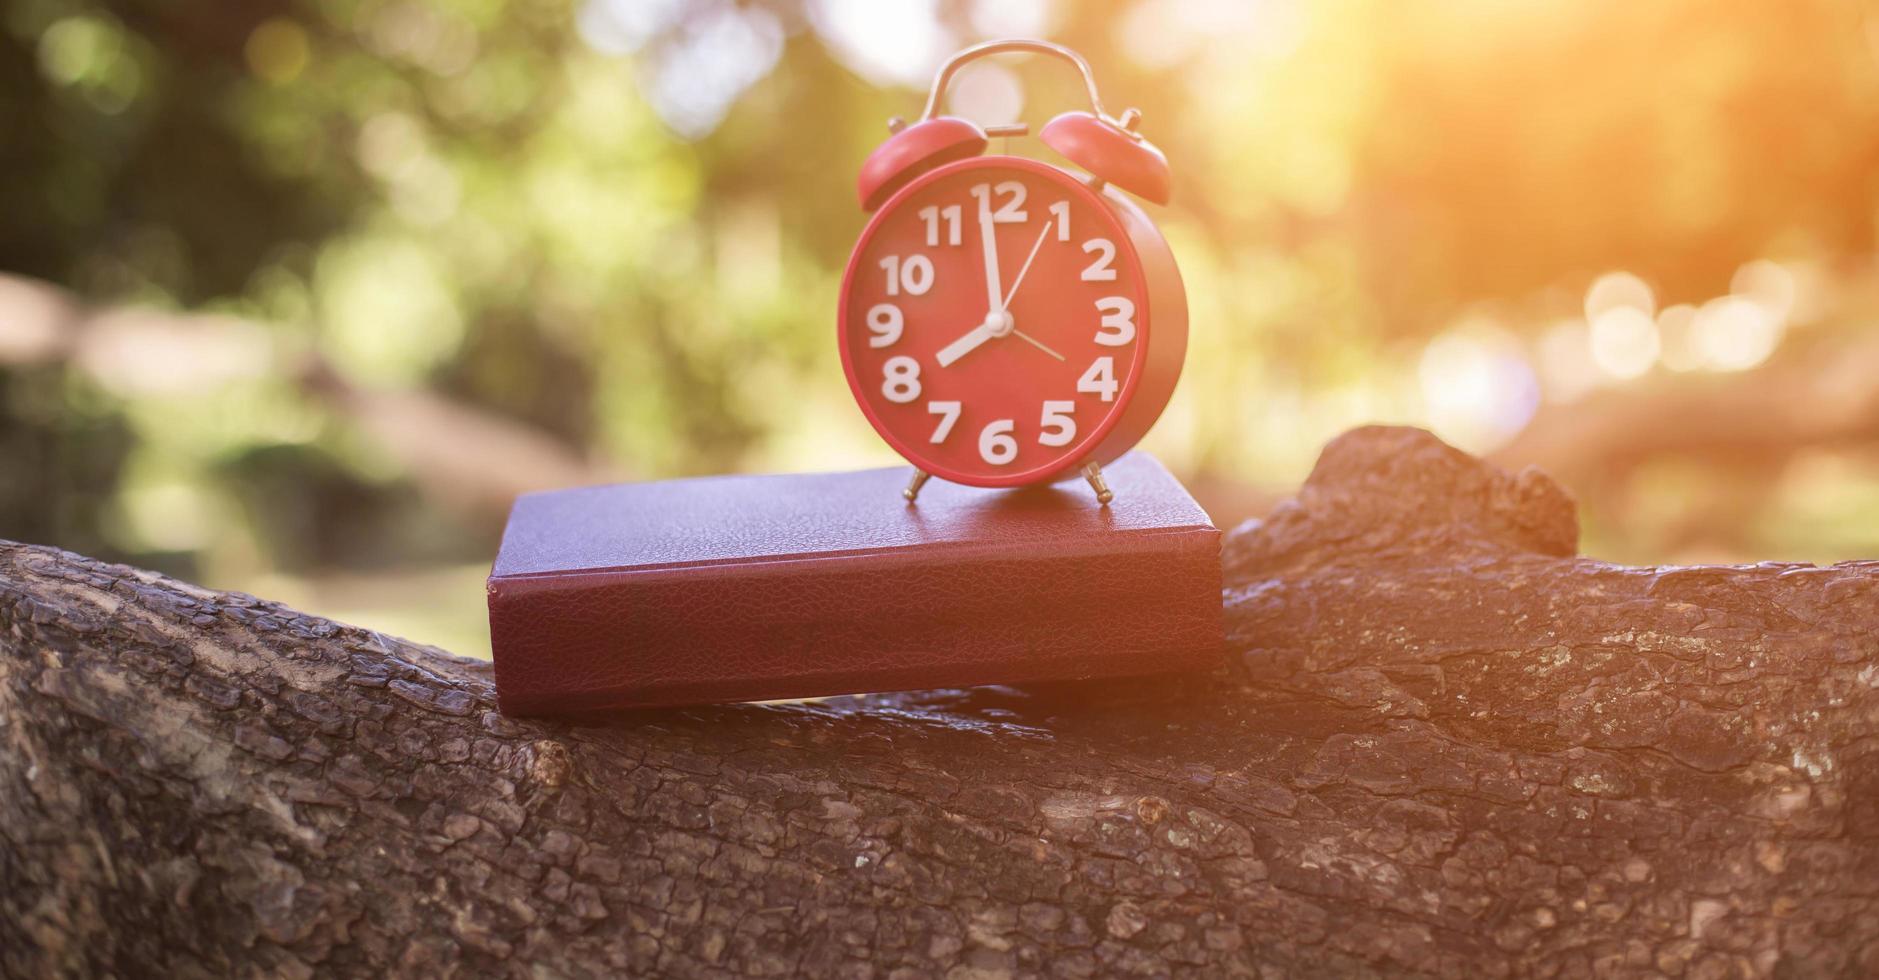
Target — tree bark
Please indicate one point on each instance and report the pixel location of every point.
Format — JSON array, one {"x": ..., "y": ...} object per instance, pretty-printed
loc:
[{"x": 1439, "y": 744}]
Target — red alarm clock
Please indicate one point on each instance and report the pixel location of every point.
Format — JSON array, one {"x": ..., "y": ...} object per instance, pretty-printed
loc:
[{"x": 1006, "y": 321}]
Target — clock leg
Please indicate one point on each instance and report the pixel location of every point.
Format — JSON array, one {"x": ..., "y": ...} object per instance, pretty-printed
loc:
[
  {"x": 920, "y": 477},
  {"x": 1094, "y": 474}
]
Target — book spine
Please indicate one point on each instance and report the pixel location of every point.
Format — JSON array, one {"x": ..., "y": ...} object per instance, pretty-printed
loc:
[{"x": 814, "y": 627}]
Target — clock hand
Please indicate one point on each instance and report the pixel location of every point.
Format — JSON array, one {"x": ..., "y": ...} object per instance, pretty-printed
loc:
[
  {"x": 988, "y": 247},
  {"x": 998, "y": 321},
  {"x": 970, "y": 342},
  {"x": 1036, "y": 343},
  {"x": 1015, "y": 283},
  {"x": 995, "y": 325}
]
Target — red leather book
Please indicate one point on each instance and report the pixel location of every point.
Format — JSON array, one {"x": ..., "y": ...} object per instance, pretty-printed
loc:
[{"x": 744, "y": 588}]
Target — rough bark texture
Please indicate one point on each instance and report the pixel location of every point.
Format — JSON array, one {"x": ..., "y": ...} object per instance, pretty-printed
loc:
[{"x": 1441, "y": 744}]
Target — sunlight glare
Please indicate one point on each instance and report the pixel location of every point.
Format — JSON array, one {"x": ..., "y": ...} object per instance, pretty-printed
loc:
[
  {"x": 1013, "y": 18},
  {"x": 620, "y": 27},
  {"x": 1477, "y": 385},
  {"x": 698, "y": 77},
  {"x": 885, "y": 43},
  {"x": 1166, "y": 33}
]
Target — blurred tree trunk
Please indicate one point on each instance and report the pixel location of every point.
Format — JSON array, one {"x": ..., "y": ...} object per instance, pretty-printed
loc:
[
  {"x": 1740, "y": 431},
  {"x": 1440, "y": 744}
]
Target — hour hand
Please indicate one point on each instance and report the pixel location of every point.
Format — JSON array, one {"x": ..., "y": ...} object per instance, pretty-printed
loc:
[{"x": 966, "y": 344}]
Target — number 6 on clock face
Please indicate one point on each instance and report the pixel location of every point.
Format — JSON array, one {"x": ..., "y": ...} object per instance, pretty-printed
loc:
[
  {"x": 996, "y": 446},
  {"x": 998, "y": 318}
]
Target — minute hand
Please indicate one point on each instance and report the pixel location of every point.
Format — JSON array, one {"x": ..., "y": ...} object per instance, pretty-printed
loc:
[{"x": 988, "y": 247}]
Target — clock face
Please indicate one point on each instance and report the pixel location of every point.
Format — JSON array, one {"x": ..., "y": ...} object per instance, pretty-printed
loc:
[{"x": 994, "y": 317}]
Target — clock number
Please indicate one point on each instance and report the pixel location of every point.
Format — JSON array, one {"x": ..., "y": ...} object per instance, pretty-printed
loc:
[
  {"x": 932, "y": 214},
  {"x": 1099, "y": 270},
  {"x": 914, "y": 274},
  {"x": 1118, "y": 316},
  {"x": 1100, "y": 379},
  {"x": 1061, "y": 211},
  {"x": 1007, "y": 212},
  {"x": 949, "y": 413},
  {"x": 900, "y": 383},
  {"x": 996, "y": 445},
  {"x": 886, "y": 322},
  {"x": 1057, "y": 417}
]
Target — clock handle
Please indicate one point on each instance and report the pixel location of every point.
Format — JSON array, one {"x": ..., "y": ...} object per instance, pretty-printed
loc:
[
  {"x": 953, "y": 64},
  {"x": 1107, "y": 146}
]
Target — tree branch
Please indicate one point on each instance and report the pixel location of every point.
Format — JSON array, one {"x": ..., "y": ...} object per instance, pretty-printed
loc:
[{"x": 1443, "y": 745}]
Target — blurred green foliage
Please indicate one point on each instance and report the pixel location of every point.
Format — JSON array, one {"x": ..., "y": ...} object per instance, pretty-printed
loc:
[{"x": 622, "y": 224}]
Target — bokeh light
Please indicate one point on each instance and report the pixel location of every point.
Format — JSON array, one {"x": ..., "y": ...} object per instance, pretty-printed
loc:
[
  {"x": 988, "y": 92},
  {"x": 1767, "y": 284},
  {"x": 277, "y": 50},
  {"x": 1615, "y": 291},
  {"x": 1566, "y": 364},
  {"x": 1676, "y": 329},
  {"x": 1477, "y": 385},
  {"x": 1731, "y": 333},
  {"x": 1625, "y": 343}
]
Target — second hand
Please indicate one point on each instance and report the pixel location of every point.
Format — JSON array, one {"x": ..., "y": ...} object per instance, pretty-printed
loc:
[
  {"x": 1037, "y": 343},
  {"x": 1015, "y": 283}
]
